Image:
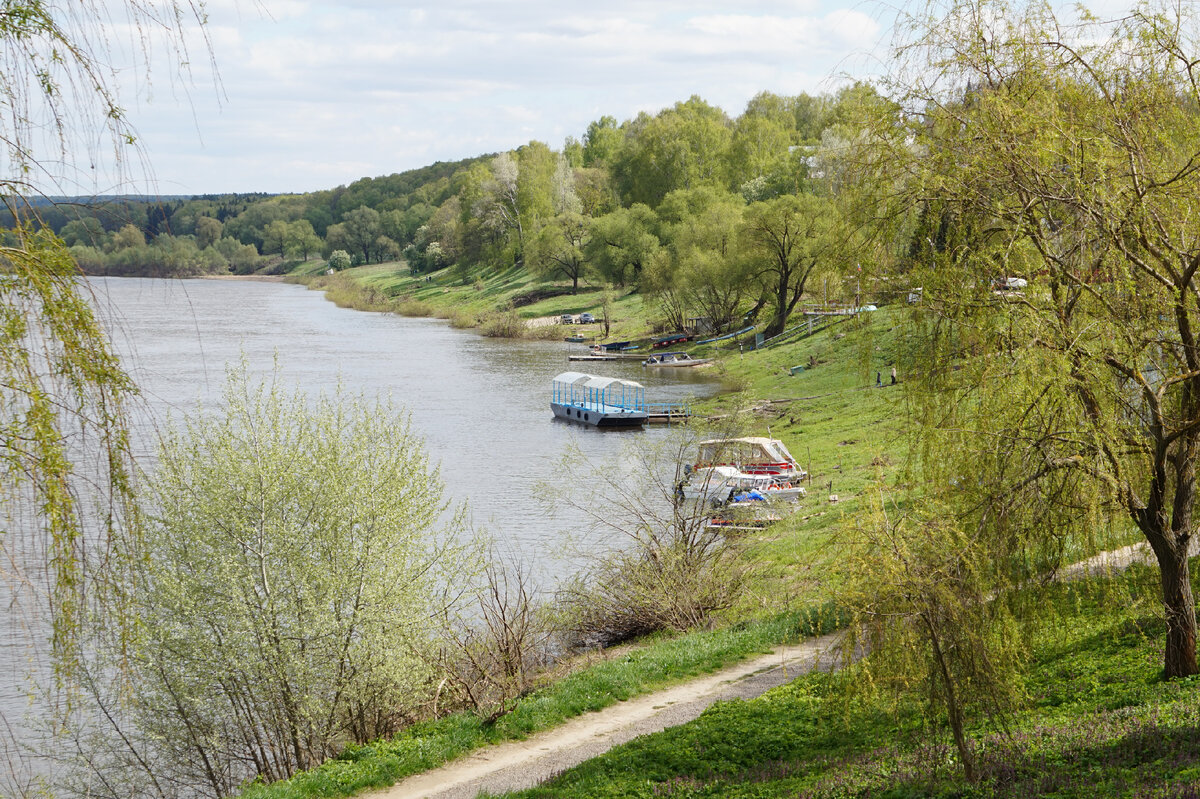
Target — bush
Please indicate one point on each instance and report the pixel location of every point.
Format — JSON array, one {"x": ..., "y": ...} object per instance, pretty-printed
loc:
[{"x": 502, "y": 324}]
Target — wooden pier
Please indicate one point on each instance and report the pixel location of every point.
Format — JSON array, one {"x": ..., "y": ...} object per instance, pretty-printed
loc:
[
  {"x": 667, "y": 413},
  {"x": 616, "y": 356}
]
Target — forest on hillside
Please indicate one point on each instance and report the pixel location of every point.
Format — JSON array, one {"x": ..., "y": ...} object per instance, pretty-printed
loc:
[{"x": 683, "y": 205}]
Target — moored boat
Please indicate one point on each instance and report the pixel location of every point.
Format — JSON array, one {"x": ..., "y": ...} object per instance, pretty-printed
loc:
[
  {"x": 598, "y": 401},
  {"x": 674, "y": 359},
  {"x": 754, "y": 455},
  {"x": 721, "y": 485}
]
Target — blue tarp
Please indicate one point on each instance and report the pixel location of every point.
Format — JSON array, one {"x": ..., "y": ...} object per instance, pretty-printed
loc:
[{"x": 752, "y": 494}]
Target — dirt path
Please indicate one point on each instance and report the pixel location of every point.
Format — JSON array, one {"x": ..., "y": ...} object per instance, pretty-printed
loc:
[{"x": 523, "y": 764}]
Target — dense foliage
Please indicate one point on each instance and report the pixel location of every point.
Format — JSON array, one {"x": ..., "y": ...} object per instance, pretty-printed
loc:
[
  {"x": 653, "y": 204},
  {"x": 292, "y": 569}
]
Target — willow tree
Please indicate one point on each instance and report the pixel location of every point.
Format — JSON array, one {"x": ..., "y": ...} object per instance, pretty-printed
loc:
[
  {"x": 1068, "y": 154},
  {"x": 63, "y": 435}
]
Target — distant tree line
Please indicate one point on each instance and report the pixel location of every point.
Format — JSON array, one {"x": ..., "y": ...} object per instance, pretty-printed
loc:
[{"x": 706, "y": 214}]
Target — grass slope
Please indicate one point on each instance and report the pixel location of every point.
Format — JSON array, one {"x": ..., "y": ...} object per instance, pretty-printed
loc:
[
  {"x": 602, "y": 683},
  {"x": 1100, "y": 723}
]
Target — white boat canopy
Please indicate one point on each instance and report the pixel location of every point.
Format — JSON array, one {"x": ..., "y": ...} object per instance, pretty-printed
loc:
[
  {"x": 751, "y": 449},
  {"x": 572, "y": 377},
  {"x": 602, "y": 383},
  {"x": 607, "y": 394}
]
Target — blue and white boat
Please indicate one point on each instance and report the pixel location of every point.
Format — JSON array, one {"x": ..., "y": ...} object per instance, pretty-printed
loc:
[{"x": 599, "y": 401}]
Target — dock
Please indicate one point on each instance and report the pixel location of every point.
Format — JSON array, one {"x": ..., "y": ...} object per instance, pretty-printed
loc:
[
  {"x": 667, "y": 413},
  {"x": 606, "y": 357}
]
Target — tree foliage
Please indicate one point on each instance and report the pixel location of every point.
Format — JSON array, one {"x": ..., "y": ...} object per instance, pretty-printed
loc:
[
  {"x": 294, "y": 562},
  {"x": 1067, "y": 155}
]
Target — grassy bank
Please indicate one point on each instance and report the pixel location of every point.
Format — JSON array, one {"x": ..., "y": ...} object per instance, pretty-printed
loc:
[
  {"x": 389, "y": 287},
  {"x": 820, "y": 395},
  {"x": 609, "y": 678},
  {"x": 1100, "y": 722}
]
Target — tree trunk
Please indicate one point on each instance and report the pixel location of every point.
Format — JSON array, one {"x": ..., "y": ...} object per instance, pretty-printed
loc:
[
  {"x": 1180, "y": 656},
  {"x": 954, "y": 712}
]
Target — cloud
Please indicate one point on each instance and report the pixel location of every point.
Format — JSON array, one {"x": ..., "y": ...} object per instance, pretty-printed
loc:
[{"x": 398, "y": 86}]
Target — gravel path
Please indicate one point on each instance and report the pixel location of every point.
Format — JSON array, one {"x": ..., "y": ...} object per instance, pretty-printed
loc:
[{"x": 524, "y": 764}]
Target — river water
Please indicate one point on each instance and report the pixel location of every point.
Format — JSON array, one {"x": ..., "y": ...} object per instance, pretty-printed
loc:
[{"x": 481, "y": 406}]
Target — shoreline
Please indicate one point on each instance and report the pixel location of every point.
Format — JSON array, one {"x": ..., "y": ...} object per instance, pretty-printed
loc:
[{"x": 251, "y": 278}]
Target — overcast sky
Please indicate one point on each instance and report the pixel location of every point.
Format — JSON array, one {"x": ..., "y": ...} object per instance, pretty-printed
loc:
[{"x": 315, "y": 95}]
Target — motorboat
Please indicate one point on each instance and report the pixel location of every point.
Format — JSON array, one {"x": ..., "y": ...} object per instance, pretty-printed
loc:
[
  {"x": 674, "y": 359},
  {"x": 753, "y": 455},
  {"x": 725, "y": 485}
]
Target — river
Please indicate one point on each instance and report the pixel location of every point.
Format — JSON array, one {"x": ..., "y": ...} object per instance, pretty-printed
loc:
[{"x": 480, "y": 404}]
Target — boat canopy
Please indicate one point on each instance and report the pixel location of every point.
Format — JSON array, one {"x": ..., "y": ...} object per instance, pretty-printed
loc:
[
  {"x": 572, "y": 377},
  {"x": 599, "y": 393},
  {"x": 603, "y": 383},
  {"x": 750, "y": 449}
]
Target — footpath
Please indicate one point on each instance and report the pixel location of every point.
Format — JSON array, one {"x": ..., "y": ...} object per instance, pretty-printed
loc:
[{"x": 524, "y": 764}]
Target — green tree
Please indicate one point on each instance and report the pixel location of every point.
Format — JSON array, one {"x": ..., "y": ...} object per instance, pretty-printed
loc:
[
  {"x": 560, "y": 249},
  {"x": 495, "y": 203},
  {"x": 920, "y": 591},
  {"x": 294, "y": 562},
  {"x": 602, "y": 142},
  {"x": 301, "y": 239},
  {"x": 784, "y": 241},
  {"x": 208, "y": 231},
  {"x": 537, "y": 190},
  {"x": 622, "y": 243},
  {"x": 684, "y": 147},
  {"x": 759, "y": 147},
  {"x": 127, "y": 236},
  {"x": 704, "y": 272},
  {"x": 87, "y": 231},
  {"x": 361, "y": 232},
  {"x": 339, "y": 260},
  {"x": 1074, "y": 159},
  {"x": 274, "y": 237}
]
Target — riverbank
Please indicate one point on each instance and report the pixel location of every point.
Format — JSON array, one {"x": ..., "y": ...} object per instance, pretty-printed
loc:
[
  {"x": 249, "y": 278},
  {"x": 819, "y": 395},
  {"x": 508, "y": 304}
]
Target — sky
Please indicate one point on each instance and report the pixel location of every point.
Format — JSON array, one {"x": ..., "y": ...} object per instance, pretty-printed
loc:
[{"x": 309, "y": 96}]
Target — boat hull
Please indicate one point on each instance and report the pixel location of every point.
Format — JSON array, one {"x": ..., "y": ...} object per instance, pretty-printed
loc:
[{"x": 591, "y": 416}]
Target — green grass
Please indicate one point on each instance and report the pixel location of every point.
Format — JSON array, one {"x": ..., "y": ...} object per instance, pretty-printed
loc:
[
  {"x": 1095, "y": 668},
  {"x": 390, "y": 287},
  {"x": 610, "y": 680},
  {"x": 1100, "y": 722}
]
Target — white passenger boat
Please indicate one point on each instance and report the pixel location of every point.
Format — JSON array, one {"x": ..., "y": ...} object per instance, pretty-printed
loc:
[{"x": 598, "y": 401}]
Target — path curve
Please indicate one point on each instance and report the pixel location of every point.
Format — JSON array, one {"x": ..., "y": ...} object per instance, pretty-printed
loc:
[{"x": 523, "y": 764}]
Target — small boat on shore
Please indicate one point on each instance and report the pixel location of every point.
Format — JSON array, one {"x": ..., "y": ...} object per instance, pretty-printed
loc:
[
  {"x": 726, "y": 485},
  {"x": 754, "y": 455},
  {"x": 615, "y": 346},
  {"x": 674, "y": 359},
  {"x": 667, "y": 341},
  {"x": 608, "y": 402}
]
